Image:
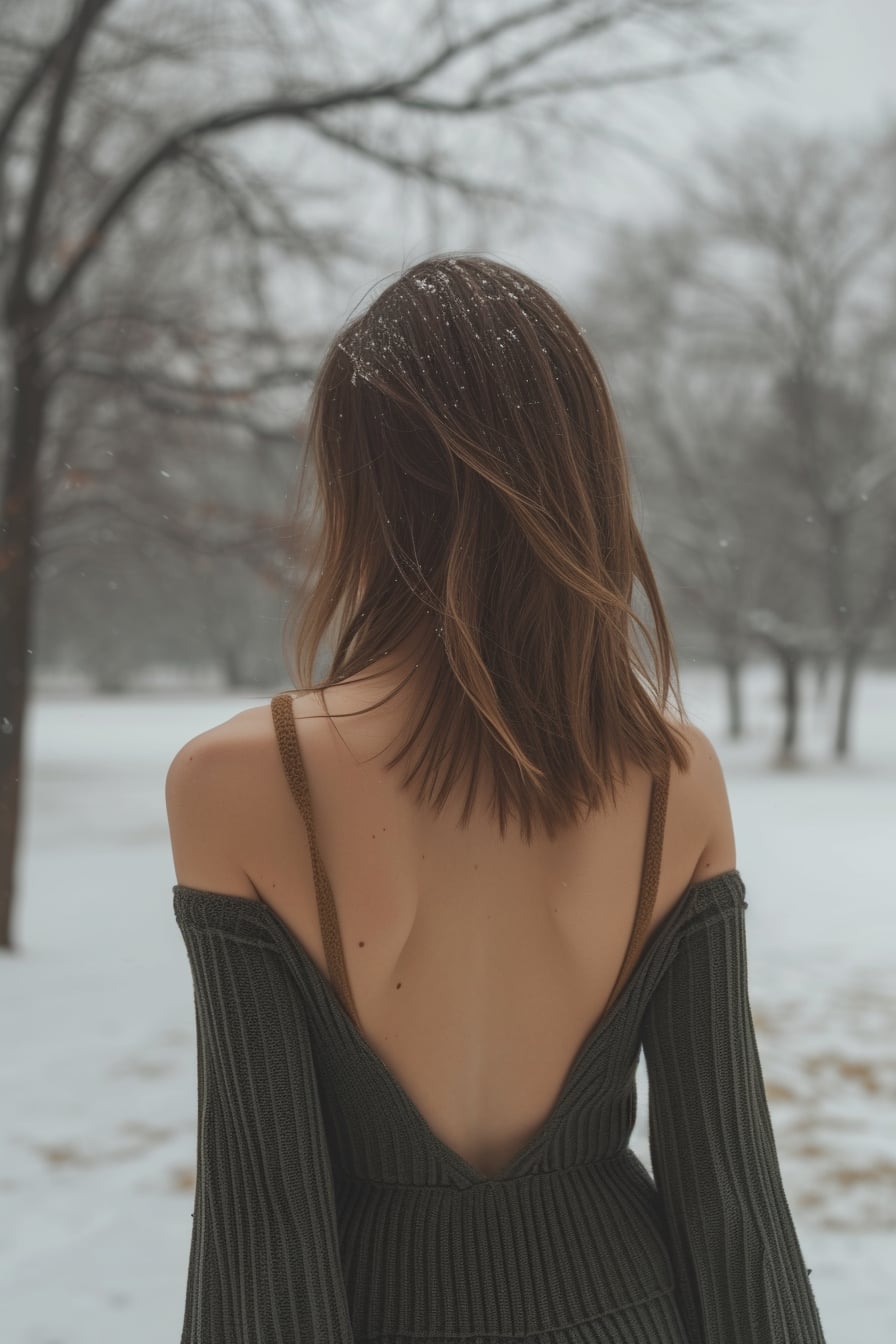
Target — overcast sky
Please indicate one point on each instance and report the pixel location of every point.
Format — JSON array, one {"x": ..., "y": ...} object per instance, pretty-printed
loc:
[{"x": 839, "y": 76}]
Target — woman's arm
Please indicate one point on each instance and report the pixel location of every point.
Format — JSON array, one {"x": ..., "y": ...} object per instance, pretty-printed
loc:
[
  {"x": 737, "y": 1260},
  {"x": 264, "y": 1257}
]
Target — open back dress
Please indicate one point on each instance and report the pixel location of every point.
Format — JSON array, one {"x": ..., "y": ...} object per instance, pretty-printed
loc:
[{"x": 327, "y": 1210}]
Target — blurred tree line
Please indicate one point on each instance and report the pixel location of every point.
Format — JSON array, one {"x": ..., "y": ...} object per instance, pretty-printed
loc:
[
  {"x": 171, "y": 239},
  {"x": 751, "y": 337}
]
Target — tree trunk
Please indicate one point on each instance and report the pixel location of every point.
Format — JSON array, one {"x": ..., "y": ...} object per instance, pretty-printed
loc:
[
  {"x": 790, "y": 699},
  {"x": 231, "y": 662},
  {"x": 822, "y": 663},
  {"x": 734, "y": 698},
  {"x": 18, "y": 531},
  {"x": 849, "y": 668}
]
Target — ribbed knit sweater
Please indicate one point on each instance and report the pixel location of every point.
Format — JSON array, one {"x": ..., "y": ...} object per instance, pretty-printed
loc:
[{"x": 328, "y": 1210}]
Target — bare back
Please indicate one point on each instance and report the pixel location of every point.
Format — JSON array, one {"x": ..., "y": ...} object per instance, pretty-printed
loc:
[{"x": 477, "y": 966}]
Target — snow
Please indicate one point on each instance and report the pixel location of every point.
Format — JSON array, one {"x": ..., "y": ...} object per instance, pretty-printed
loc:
[{"x": 98, "y": 1064}]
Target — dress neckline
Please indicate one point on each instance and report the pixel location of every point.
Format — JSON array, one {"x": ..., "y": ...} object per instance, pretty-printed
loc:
[
  {"x": 328, "y": 994},
  {"x": 291, "y": 759}
]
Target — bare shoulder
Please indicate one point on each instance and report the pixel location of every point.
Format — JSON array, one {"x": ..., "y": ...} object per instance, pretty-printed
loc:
[
  {"x": 707, "y": 797},
  {"x": 211, "y": 801},
  {"x": 224, "y": 744}
]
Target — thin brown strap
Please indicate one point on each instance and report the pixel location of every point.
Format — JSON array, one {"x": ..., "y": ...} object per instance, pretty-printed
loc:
[
  {"x": 291, "y": 756},
  {"x": 650, "y": 876}
]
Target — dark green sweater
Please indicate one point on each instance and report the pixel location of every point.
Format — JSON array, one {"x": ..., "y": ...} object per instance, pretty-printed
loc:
[{"x": 327, "y": 1210}]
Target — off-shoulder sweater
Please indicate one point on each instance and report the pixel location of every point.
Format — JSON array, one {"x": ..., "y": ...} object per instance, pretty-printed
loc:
[{"x": 327, "y": 1209}]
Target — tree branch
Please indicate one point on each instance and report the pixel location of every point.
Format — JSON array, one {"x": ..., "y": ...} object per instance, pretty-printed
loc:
[
  {"x": 66, "y": 53},
  {"x": 120, "y": 373},
  {"x": 634, "y": 75},
  {"x": 45, "y": 59},
  {"x": 309, "y": 108},
  {"x": 428, "y": 171}
]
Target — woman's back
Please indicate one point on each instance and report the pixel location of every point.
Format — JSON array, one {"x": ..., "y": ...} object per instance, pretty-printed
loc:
[
  {"x": 329, "y": 1207},
  {"x": 477, "y": 965}
]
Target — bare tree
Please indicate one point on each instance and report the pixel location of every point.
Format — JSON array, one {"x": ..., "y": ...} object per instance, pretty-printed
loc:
[
  {"x": 754, "y": 335},
  {"x": 688, "y": 431},
  {"x": 174, "y": 91},
  {"x": 152, "y": 444},
  {"x": 812, "y": 221}
]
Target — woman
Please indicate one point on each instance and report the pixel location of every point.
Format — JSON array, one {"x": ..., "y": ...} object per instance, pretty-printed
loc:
[{"x": 419, "y": 1012}]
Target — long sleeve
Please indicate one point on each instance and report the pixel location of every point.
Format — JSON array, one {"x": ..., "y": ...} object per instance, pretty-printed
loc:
[
  {"x": 264, "y": 1264},
  {"x": 737, "y": 1261}
]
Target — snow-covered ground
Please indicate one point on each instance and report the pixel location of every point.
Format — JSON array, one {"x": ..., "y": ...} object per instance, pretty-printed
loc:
[{"x": 97, "y": 1065}]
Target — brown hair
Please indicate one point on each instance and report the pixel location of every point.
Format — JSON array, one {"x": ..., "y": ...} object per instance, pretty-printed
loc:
[{"x": 476, "y": 494}]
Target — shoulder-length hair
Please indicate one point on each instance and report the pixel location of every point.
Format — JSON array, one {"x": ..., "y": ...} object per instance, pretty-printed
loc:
[{"x": 476, "y": 499}]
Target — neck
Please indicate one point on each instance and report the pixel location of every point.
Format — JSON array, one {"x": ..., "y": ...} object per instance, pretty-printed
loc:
[{"x": 405, "y": 662}]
